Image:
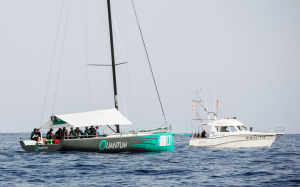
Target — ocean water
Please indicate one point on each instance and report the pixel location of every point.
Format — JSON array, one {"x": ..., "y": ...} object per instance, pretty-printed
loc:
[{"x": 277, "y": 165}]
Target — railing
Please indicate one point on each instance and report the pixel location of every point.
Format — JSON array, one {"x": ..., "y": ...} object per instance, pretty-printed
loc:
[
  {"x": 277, "y": 129},
  {"x": 272, "y": 130},
  {"x": 139, "y": 130}
]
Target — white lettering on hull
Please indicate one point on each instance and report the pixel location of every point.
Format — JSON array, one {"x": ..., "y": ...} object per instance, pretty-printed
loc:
[
  {"x": 255, "y": 137},
  {"x": 116, "y": 145}
]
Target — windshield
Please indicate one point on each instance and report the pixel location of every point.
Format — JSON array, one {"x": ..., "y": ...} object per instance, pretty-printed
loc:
[
  {"x": 233, "y": 129},
  {"x": 222, "y": 129},
  {"x": 240, "y": 128}
]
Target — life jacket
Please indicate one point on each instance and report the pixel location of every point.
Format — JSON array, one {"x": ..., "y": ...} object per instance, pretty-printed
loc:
[
  {"x": 33, "y": 136},
  {"x": 73, "y": 133},
  {"x": 93, "y": 131}
]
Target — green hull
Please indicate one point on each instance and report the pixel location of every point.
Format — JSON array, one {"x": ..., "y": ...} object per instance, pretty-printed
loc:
[{"x": 155, "y": 142}]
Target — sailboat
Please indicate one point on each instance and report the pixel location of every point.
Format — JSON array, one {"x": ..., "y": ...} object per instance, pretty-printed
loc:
[{"x": 152, "y": 140}]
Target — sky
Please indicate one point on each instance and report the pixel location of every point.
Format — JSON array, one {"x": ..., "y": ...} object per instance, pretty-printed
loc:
[{"x": 246, "y": 54}]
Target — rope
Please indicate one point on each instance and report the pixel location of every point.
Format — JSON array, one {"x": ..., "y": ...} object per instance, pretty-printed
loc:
[
  {"x": 149, "y": 61},
  {"x": 61, "y": 56},
  {"x": 52, "y": 60},
  {"x": 86, "y": 60}
]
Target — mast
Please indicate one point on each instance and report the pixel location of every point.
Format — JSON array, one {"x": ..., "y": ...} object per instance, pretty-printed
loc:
[{"x": 113, "y": 59}]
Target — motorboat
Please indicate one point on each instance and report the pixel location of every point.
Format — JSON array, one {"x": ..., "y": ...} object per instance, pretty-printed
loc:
[{"x": 228, "y": 132}]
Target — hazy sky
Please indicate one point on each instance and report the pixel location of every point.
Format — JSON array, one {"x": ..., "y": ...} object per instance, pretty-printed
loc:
[{"x": 247, "y": 52}]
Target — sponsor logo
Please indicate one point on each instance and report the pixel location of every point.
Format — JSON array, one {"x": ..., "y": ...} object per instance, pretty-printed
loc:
[
  {"x": 37, "y": 148},
  {"x": 116, "y": 100},
  {"x": 165, "y": 140},
  {"x": 43, "y": 147},
  {"x": 201, "y": 142},
  {"x": 115, "y": 145},
  {"x": 101, "y": 147},
  {"x": 29, "y": 142}
]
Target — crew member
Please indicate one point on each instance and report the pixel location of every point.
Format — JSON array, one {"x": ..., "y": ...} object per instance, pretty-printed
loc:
[
  {"x": 93, "y": 130},
  {"x": 59, "y": 134},
  {"x": 87, "y": 131},
  {"x": 78, "y": 131},
  {"x": 72, "y": 133},
  {"x": 203, "y": 134},
  {"x": 65, "y": 132},
  {"x": 50, "y": 135},
  {"x": 98, "y": 132},
  {"x": 33, "y": 135},
  {"x": 38, "y": 133}
]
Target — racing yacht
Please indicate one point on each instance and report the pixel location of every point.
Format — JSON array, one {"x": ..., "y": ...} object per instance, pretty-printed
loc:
[{"x": 141, "y": 140}]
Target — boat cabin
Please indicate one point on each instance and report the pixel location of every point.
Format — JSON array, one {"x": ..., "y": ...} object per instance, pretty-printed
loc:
[{"x": 225, "y": 126}]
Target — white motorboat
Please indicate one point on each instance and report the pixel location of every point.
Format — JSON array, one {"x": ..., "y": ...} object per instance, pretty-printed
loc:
[{"x": 229, "y": 132}]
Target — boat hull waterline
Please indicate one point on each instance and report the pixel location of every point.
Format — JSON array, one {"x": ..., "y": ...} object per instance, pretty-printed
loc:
[
  {"x": 139, "y": 143},
  {"x": 239, "y": 140}
]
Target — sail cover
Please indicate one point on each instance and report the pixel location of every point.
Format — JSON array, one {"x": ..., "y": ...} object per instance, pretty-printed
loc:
[{"x": 98, "y": 117}]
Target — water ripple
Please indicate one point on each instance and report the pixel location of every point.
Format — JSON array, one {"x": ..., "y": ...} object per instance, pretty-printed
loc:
[{"x": 185, "y": 166}]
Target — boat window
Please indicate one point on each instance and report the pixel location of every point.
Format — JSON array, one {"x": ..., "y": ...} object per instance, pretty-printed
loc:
[
  {"x": 233, "y": 129},
  {"x": 222, "y": 129},
  {"x": 240, "y": 128},
  {"x": 243, "y": 127}
]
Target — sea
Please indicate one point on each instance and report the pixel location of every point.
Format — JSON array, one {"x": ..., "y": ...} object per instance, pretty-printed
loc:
[{"x": 278, "y": 165}]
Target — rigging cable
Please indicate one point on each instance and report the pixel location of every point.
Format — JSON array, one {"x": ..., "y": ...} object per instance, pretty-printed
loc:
[
  {"x": 125, "y": 55},
  {"x": 119, "y": 35},
  {"x": 123, "y": 18},
  {"x": 61, "y": 56},
  {"x": 149, "y": 61},
  {"x": 62, "y": 5},
  {"x": 118, "y": 83},
  {"x": 97, "y": 35},
  {"x": 86, "y": 60}
]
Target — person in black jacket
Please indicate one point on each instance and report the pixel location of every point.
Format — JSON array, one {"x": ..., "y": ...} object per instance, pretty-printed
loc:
[
  {"x": 59, "y": 134},
  {"x": 78, "y": 131},
  {"x": 50, "y": 136},
  {"x": 33, "y": 135},
  {"x": 38, "y": 133},
  {"x": 203, "y": 134},
  {"x": 93, "y": 131},
  {"x": 87, "y": 132},
  {"x": 72, "y": 133}
]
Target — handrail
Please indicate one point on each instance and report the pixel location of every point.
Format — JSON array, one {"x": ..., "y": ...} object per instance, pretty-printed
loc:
[
  {"x": 272, "y": 130},
  {"x": 162, "y": 128}
]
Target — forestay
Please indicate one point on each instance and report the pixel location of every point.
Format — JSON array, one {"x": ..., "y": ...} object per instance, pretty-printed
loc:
[{"x": 98, "y": 117}]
